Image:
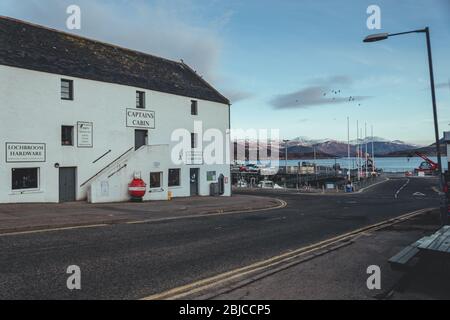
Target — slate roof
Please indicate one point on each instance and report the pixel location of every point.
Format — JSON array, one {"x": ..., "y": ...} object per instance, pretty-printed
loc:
[{"x": 28, "y": 46}]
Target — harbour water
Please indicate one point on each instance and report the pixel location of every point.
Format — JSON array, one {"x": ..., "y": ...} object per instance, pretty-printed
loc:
[{"x": 388, "y": 164}]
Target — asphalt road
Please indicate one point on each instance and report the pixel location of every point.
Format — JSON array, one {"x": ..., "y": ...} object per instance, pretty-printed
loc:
[{"x": 134, "y": 261}]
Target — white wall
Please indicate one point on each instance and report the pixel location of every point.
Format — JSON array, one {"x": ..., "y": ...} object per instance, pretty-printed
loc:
[{"x": 33, "y": 112}]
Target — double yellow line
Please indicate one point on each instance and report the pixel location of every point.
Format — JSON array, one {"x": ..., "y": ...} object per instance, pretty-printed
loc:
[
  {"x": 281, "y": 204},
  {"x": 215, "y": 281}
]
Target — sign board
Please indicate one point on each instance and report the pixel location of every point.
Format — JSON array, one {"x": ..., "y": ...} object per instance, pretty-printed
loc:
[
  {"x": 25, "y": 152},
  {"x": 140, "y": 118},
  {"x": 85, "y": 131},
  {"x": 104, "y": 188}
]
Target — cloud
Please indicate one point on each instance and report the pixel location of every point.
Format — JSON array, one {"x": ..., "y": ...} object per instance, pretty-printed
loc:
[
  {"x": 171, "y": 29},
  {"x": 443, "y": 85},
  {"x": 324, "y": 91}
]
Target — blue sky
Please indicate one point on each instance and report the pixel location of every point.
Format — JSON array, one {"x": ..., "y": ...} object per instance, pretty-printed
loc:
[{"x": 276, "y": 59}]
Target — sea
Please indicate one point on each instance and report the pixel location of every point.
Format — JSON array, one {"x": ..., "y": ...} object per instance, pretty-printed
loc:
[{"x": 387, "y": 164}]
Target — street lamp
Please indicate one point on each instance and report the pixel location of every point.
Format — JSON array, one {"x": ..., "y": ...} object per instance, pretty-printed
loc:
[
  {"x": 285, "y": 155},
  {"x": 384, "y": 36}
]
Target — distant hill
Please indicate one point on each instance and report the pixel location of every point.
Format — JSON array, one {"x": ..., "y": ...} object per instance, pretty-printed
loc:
[
  {"x": 340, "y": 149},
  {"x": 303, "y": 148},
  {"x": 428, "y": 150}
]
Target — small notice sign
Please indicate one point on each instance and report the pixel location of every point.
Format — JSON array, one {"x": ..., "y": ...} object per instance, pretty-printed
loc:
[
  {"x": 85, "y": 134},
  {"x": 25, "y": 152}
]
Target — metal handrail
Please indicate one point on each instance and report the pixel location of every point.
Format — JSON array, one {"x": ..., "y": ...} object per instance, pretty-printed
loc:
[
  {"x": 120, "y": 169},
  {"x": 102, "y": 156},
  {"x": 106, "y": 167}
]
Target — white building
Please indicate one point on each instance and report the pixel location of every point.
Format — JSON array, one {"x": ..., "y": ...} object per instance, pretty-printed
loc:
[{"x": 80, "y": 118}]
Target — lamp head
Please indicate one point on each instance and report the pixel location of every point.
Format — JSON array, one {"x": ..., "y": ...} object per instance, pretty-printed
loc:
[{"x": 376, "y": 37}]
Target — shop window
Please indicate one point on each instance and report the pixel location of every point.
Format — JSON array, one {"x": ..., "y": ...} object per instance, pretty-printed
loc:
[
  {"x": 25, "y": 178},
  {"x": 67, "y": 135},
  {"x": 66, "y": 89},
  {"x": 194, "y": 107},
  {"x": 140, "y": 99},
  {"x": 174, "y": 177},
  {"x": 155, "y": 180}
]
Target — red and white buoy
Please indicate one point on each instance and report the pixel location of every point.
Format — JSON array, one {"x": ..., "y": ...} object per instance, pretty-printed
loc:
[{"x": 137, "y": 189}]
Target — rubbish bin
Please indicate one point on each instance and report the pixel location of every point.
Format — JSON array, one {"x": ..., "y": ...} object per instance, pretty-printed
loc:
[
  {"x": 349, "y": 187},
  {"x": 214, "y": 189}
]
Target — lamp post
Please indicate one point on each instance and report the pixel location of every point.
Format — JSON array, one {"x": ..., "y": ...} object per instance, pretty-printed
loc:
[
  {"x": 373, "y": 152},
  {"x": 384, "y": 36},
  {"x": 285, "y": 155},
  {"x": 348, "y": 150}
]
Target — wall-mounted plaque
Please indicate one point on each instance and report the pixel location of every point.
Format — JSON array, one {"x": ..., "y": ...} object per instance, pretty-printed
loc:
[
  {"x": 25, "y": 152},
  {"x": 140, "y": 118},
  {"x": 85, "y": 134}
]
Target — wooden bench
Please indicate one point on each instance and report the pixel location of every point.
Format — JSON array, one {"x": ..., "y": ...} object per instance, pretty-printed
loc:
[
  {"x": 437, "y": 242},
  {"x": 405, "y": 258}
]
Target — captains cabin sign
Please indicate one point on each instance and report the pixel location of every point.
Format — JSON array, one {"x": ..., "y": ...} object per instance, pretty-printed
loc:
[
  {"x": 25, "y": 152},
  {"x": 143, "y": 119}
]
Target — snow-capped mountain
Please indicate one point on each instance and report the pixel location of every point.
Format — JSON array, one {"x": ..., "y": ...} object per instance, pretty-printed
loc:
[{"x": 302, "y": 147}]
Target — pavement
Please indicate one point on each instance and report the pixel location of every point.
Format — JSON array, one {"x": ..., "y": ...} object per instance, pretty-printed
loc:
[
  {"x": 26, "y": 217},
  {"x": 135, "y": 261},
  {"x": 341, "y": 272}
]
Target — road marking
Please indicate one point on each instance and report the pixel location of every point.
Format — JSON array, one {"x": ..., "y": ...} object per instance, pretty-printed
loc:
[
  {"x": 282, "y": 204},
  {"x": 52, "y": 229},
  {"x": 201, "y": 285},
  {"x": 372, "y": 185},
  {"x": 401, "y": 188},
  {"x": 436, "y": 189}
]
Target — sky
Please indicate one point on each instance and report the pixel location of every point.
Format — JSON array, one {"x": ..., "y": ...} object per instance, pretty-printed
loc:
[{"x": 297, "y": 66}]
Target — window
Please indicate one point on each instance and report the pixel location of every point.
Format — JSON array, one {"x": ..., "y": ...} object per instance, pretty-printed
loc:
[
  {"x": 25, "y": 178},
  {"x": 66, "y": 89},
  {"x": 194, "y": 107},
  {"x": 174, "y": 177},
  {"x": 211, "y": 176},
  {"x": 140, "y": 99},
  {"x": 193, "y": 140},
  {"x": 67, "y": 135},
  {"x": 155, "y": 180}
]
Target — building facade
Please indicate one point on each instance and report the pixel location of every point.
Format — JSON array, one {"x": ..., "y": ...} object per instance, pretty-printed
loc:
[{"x": 80, "y": 119}]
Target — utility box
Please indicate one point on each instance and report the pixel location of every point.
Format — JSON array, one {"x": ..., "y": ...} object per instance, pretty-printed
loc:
[{"x": 214, "y": 189}]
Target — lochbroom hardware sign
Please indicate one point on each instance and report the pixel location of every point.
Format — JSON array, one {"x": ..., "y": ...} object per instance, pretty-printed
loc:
[
  {"x": 25, "y": 152},
  {"x": 143, "y": 119}
]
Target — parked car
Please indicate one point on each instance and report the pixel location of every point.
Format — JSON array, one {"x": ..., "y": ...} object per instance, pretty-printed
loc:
[
  {"x": 266, "y": 184},
  {"x": 242, "y": 184},
  {"x": 253, "y": 168}
]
